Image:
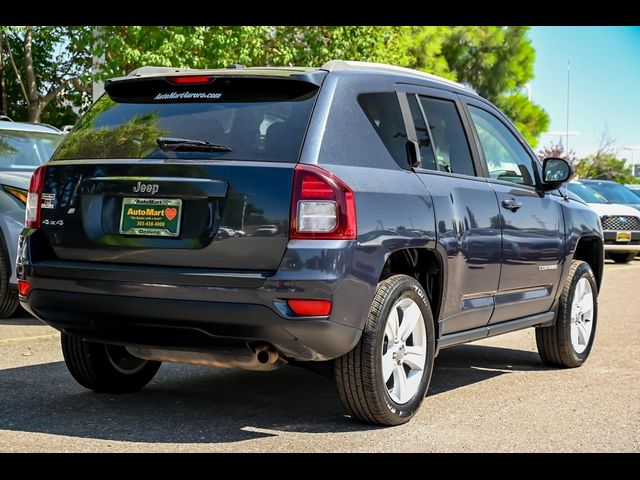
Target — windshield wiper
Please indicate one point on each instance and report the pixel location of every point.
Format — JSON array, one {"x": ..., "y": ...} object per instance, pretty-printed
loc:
[{"x": 188, "y": 145}]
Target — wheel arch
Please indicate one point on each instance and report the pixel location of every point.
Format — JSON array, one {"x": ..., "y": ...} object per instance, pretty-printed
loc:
[
  {"x": 428, "y": 266},
  {"x": 590, "y": 249}
]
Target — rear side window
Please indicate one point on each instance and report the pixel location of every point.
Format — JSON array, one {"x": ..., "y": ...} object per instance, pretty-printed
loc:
[
  {"x": 249, "y": 118},
  {"x": 383, "y": 111},
  {"x": 452, "y": 148}
]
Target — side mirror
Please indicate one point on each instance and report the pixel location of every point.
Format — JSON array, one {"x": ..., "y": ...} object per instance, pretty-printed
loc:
[{"x": 555, "y": 171}]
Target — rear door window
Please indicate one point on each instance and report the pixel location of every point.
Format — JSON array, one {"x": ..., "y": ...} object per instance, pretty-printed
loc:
[
  {"x": 251, "y": 118},
  {"x": 452, "y": 149}
]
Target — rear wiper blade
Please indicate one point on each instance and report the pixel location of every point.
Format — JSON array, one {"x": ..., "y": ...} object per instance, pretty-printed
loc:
[{"x": 186, "y": 144}]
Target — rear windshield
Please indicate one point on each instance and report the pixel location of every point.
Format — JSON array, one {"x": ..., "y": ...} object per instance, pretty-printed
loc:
[
  {"x": 24, "y": 150},
  {"x": 249, "y": 118}
]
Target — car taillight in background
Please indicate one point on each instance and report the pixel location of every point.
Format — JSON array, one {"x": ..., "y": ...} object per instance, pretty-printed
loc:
[
  {"x": 322, "y": 207},
  {"x": 17, "y": 193},
  {"x": 36, "y": 187}
]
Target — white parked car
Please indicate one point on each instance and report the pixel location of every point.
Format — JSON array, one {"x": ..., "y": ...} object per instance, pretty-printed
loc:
[
  {"x": 620, "y": 223},
  {"x": 23, "y": 147}
]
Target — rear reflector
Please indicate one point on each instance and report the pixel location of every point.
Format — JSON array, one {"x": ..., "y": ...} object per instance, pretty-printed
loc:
[
  {"x": 310, "y": 308},
  {"x": 190, "y": 80},
  {"x": 23, "y": 288}
]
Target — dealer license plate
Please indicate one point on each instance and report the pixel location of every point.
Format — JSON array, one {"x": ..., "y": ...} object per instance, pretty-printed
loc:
[
  {"x": 151, "y": 216},
  {"x": 623, "y": 236}
]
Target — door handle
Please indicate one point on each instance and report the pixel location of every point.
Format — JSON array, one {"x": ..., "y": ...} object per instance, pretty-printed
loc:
[{"x": 511, "y": 204}]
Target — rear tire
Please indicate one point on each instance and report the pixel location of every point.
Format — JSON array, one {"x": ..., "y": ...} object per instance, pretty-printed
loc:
[
  {"x": 106, "y": 368},
  {"x": 8, "y": 296},
  {"x": 384, "y": 379},
  {"x": 568, "y": 342},
  {"x": 619, "y": 257}
]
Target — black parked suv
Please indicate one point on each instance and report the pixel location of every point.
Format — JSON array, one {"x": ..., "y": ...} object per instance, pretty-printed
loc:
[{"x": 385, "y": 214}]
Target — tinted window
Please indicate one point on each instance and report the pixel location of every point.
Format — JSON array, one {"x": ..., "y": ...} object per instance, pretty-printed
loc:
[
  {"x": 585, "y": 193},
  {"x": 26, "y": 150},
  {"x": 449, "y": 139},
  {"x": 383, "y": 111},
  {"x": 424, "y": 138},
  {"x": 614, "y": 192},
  {"x": 256, "y": 119},
  {"x": 506, "y": 157}
]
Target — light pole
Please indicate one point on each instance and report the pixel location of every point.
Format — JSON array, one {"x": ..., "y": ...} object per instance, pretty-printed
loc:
[
  {"x": 633, "y": 157},
  {"x": 568, "y": 87}
]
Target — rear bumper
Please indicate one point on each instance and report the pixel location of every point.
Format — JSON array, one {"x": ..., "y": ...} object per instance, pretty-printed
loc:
[
  {"x": 186, "y": 324},
  {"x": 200, "y": 310}
]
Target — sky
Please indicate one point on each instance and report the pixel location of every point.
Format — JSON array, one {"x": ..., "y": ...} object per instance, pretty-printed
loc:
[{"x": 604, "y": 85}]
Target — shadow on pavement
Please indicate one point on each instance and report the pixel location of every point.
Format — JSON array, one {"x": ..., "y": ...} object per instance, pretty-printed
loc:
[
  {"x": 186, "y": 404},
  {"x": 467, "y": 364}
]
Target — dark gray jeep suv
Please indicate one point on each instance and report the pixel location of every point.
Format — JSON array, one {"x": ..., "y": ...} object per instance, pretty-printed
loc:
[{"x": 379, "y": 214}]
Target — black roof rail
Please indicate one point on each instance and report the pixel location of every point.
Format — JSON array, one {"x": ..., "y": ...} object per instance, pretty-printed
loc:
[
  {"x": 6, "y": 118},
  {"x": 235, "y": 66}
]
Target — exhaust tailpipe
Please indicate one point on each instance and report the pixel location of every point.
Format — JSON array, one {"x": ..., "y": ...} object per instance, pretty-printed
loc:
[
  {"x": 262, "y": 358},
  {"x": 266, "y": 355}
]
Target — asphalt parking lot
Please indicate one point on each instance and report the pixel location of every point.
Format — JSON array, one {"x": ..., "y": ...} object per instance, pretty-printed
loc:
[{"x": 494, "y": 395}]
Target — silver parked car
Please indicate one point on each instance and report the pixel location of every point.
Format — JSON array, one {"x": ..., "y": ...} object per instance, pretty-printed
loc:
[{"x": 23, "y": 147}]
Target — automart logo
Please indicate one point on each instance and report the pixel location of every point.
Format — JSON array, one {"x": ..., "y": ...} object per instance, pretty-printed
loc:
[{"x": 184, "y": 95}]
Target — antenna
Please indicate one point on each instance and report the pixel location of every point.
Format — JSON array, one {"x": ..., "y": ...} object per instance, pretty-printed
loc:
[{"x": 568, "y": 89}]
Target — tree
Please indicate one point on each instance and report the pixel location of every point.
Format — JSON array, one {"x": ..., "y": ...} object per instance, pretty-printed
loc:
[
  {"x": 557, "y": 150},
  {"x": 127, "y": 47},
  {"x": 43, "y": 67},
  {"x": 497, "y": 62},
  {"x": 604, "y": 164}
]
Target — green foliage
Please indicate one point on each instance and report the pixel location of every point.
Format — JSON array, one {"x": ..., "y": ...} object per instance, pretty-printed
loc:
[
  {"x": 496, "y": 61},
  {"x": 128, "y": 47},
  {"x": 605, "y": 166},
  {"x": 61, "y": 60},
  {"x": 529, "y": 118}
]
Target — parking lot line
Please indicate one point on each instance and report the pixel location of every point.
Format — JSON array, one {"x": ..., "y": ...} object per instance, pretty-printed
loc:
[
  {"x": 29, "y": 339},
  {"x": 621, "y": 267}
]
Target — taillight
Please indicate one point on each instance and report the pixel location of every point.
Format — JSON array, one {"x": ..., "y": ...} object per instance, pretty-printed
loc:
[
  {"x": 23, "y": 288},
  {"x": 322, "y": 206},
  {"x": 36, "y": 187},
  {"x": 17, "y": 193}
]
